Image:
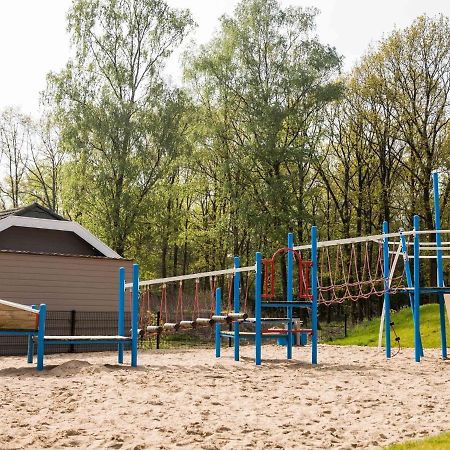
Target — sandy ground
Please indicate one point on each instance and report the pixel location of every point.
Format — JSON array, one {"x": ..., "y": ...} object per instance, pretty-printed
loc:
[{"x": 188, "y": 399}]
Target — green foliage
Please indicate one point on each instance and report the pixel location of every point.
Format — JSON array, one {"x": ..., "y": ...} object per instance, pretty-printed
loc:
[
  {"x": 366, "y": 333},
  {"x": 260, "y": 86},
  {"x": 119, "y": 122},
  {"x": 439, "y": 442},
  {"x": 264, "y": 137}
]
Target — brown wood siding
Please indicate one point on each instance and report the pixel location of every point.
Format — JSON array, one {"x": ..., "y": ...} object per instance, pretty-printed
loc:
[
  {"x": 64, "y": 283},
  {"x": 45, "y": 241},
  {"x": 12, "y": 318}
]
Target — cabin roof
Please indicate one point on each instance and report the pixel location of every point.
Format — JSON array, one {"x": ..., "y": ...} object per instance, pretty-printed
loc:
[{"x": 34, "y": 210}]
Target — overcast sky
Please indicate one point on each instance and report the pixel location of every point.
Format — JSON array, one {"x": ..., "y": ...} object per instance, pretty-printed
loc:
[{"x": 33, "y": 38}]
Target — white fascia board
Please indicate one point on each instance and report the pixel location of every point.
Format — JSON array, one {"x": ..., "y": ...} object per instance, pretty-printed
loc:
[
  {"x": 19, "y": 306},
  {"x": 60, "y": 225}
]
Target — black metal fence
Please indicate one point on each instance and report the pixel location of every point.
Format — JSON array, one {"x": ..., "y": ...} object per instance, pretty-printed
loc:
[
  {"x": 69, "y": 323},
  {"x": 79, "y": 323}
]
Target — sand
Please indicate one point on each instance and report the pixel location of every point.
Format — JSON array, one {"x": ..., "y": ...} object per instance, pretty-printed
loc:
[{"x": 188, "y": 399}]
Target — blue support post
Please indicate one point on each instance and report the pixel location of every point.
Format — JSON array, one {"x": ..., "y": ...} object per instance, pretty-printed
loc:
[
  {"x": 314, "y": 308},
  {"x": 440, "y": 269},
  {"x": 237, "y": 305},
  {"x": 30, "y": 346},
  {"x": 40, "y": 337},
  {"x": 417, "y": 344},
  {"x": 218, "y": 311},
  {"x": 134, "y": 316},
  {"x": 409, "y": 280},
  {"x": 387, "y": 297},
  {"x": 258, "y": 329},
  {"x": 289, "y": 289},
  {"x": 121, "y": 318}
]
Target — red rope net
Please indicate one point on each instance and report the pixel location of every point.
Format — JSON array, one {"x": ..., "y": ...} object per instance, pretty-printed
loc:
[{"x": 353, "y": 272}]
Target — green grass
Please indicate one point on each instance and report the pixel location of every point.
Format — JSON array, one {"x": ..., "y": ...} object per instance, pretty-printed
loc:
[
  {"x": 367, "y": 332},
  {"x": 440, "y": 442}
]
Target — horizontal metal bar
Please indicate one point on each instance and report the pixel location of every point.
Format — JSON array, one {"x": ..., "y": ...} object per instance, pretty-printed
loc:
[
  {"x": 17, "y": 333},
  {"x": 355, "y": 240},
  {"x": 85, "y": 342},
  {"x": 376, "y": 238},
  {"x": 193, "y": 276},
  {"x": 272, "y": 319},
  {"x": 432, "y": 256},
  {"x": 427, "y": 290},
  {"x": 87, "y": 338},
  {"x": 421, "y": 243},
  {"x": 251, "y": 335},
  {"x": 286, "y": 304}
]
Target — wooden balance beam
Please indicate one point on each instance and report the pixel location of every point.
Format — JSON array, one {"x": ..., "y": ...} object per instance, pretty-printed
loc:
[{"x": 17, "y": 317}]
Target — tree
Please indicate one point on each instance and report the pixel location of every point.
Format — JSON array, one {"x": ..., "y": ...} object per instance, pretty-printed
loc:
[
  {"x": 44, "y": 166},
  {"x": 411, "y": 71},
  {"x": 119, "y": 122},
  {"x": 15, "y": 145},
  {"x": 262, "y": 84}
]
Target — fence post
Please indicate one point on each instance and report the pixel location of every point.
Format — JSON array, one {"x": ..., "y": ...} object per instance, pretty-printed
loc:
[
  {"x": 158, "y": 334},
  {"x": 345, "y": 325},
  {"x": 72, "y": 329}
]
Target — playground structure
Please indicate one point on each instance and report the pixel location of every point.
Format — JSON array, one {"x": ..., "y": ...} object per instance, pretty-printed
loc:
[
  {"x": 334, "y": 272},
  {"x": 21, "y": 320},
  {"x": 264, "y": 290},
  {"x": 337, "y": 271}
]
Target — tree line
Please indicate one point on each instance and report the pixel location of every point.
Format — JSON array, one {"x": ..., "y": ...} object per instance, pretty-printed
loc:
[{"x": 265, "y": 135}]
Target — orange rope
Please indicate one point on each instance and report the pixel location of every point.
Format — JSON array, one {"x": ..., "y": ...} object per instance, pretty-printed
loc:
[
  {"x": 196, "y": 307},
  {"x": 212, "y": 284},
  {"x": 163, "y": 306},
  {"x": 179, "y": 313}
]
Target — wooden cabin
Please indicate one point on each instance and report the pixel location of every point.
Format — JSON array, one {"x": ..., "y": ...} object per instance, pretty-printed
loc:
[{"x": 45, "y": 258}]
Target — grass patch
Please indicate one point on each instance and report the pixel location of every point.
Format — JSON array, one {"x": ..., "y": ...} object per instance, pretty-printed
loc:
[
  {"x": 366, "y": 333},
  {"x": 440, "y": 442}
]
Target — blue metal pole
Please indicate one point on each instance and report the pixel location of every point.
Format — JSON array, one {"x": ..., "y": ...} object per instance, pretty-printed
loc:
[
  {"x": 258, "y": 330},
  {"x": 121, "y": 318},
  {"x": 237, "y": 305},
  {"x": 289, "y": 289},
  {"x": 134, "y": 316},
  {"x": 417, "y": 346},
  {"x": 30, "y": 347},
  {"x": 440, "y": 269},
  {"x": 409, "y": 280},
  {"x": 387, "y": 297},
  {"x": 40, "y": 337},
  {"x": 314, "y": 308},
  {"x": 218, "y": 311}
]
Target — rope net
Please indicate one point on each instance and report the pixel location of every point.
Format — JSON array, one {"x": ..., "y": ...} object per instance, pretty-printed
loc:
[{"x": 354, "y": 272}]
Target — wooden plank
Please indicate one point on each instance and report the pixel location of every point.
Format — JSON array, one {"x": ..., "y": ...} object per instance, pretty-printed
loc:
[{"x": 16, "y": 318}]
